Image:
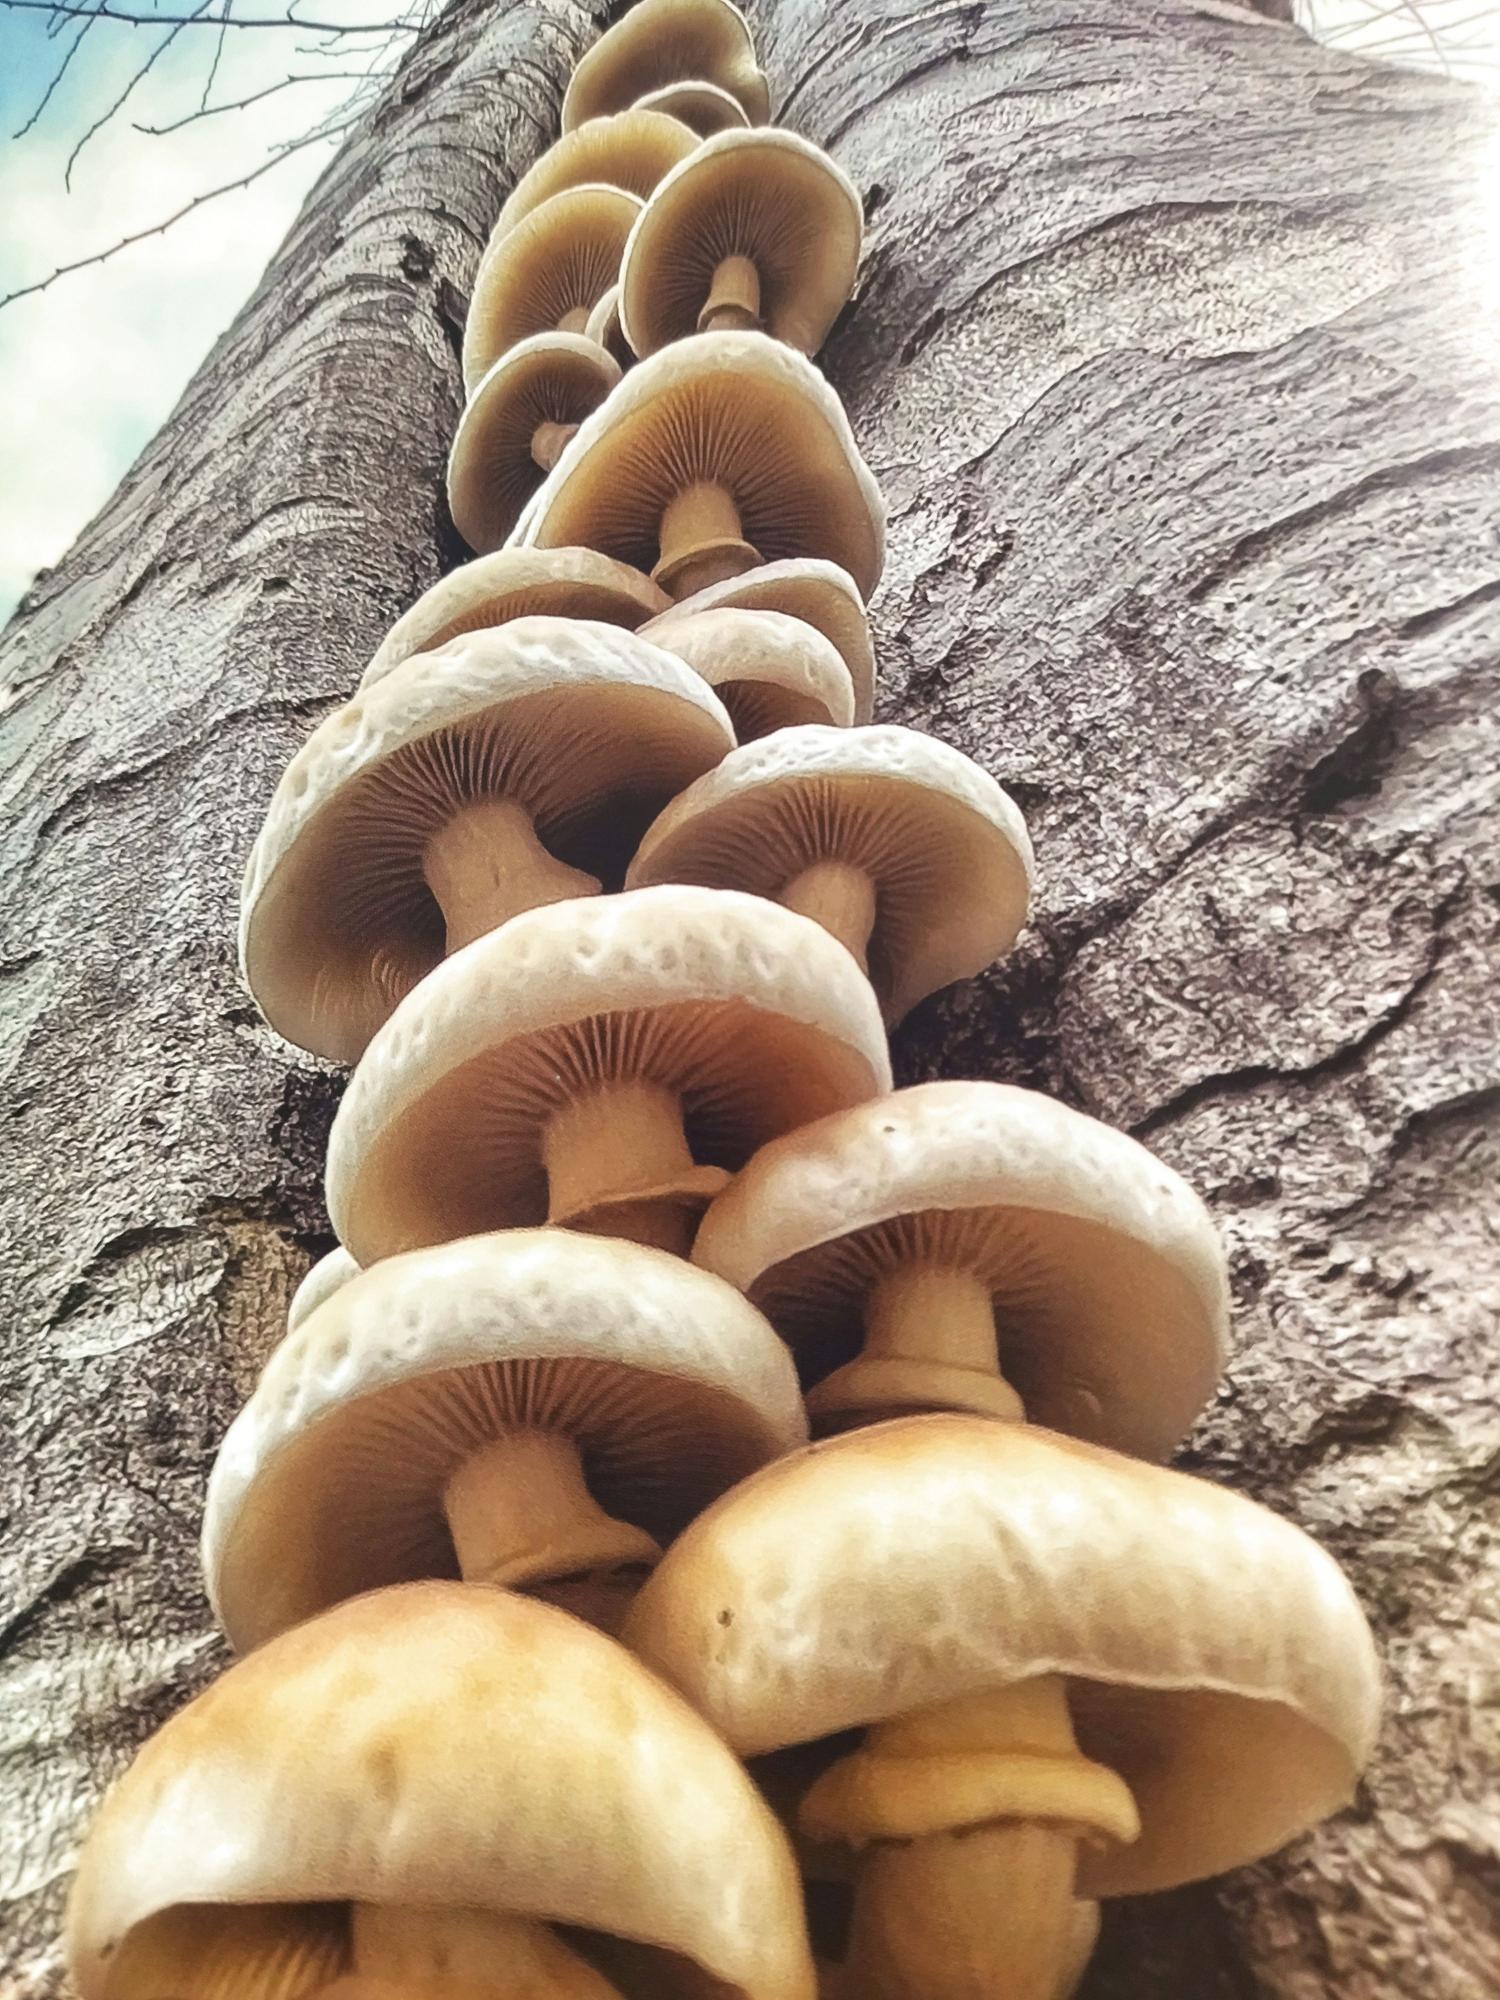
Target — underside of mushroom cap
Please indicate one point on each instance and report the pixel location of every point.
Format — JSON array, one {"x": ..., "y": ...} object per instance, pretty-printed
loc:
[
  {"x": 631, "y": 150},
  {"x": 359, "y": 1759},
  {"x": 707, "y": 107},
  {"x": 770, "y": 671},
  {"x": 1216, "y": 1657},
  {"x": 549, "y": 380},
  {"x": 944, "y": 849},
  {"x": 666, "y": 41},
  {"x": 518, "y": 583},
  {"x": 556, "y": 262},
  {"x": 331, "y": 1479},
  {"x": 588, "y": 728},
  {"x": 1106, "y": 1273},
  {"x": 752, "y": 1017},
  {"x": 770, "y": 197},
  {"x": 737, "y": 411}
]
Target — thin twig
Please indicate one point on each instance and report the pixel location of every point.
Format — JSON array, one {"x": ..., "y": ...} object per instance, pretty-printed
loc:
[
  {"x": 139, "y": 76},
  {"x": 57, "y": 76},
  {"x": 244, "y": 103},
  {"x": 195, "y": 20}
]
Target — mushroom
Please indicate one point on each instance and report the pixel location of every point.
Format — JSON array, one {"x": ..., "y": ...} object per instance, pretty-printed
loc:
[
  {"x": 755, "y": 229},
  {"x": 903, "y": 848},
  {"x": 329, "y": 1275},
  {"x": 547, "y": 273},
  {"x": 532, "y": 1408},
  {"x": 723, "y": 451},
  {"x": 707, "y": 107},
  {"x": 600, "y": 1064},
  {"x": 1078, "y": 1676},
  {"x": 406, "y": 1796},
  {"x": 631, "y": 151},
  {"x": 518, "y": 583},
  {"x": 515, "y": 427},
  {"x": 979, "y": 1247},
  {"x": 509, "y": 768},
  {"x": 668, "y": 41},
  {"x": 769, "y": 670},
  {"x": 604, "y": 326}
]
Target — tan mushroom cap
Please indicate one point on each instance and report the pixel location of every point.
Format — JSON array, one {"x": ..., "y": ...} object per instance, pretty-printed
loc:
[
  {"x": 769, "y": 670},
  {"x": 666, "y": 41},
  {"x": 631, "y": 150},
  {"x": 516, "y": 424},
  {"x": 584, "y": 729},
  {"x": 440, "y": 1749},
  {"x": 1105, "y": 1271},
  {"x": 754, "y": 1020},
  {"x": 548, "y": 272},
  {"x": 329, "y": 1275},
  {"x": 330, "y": 1481},
  {"x": 707, "y": 107},
  {"x": 518, "y": 583},
  {"x": 1216, "y": 1658},
  {"x": 819, "y": 593},
  {"x": 724, "y": 448},
  {"x": 936, "y": 851},
  {"x": 756, "y": 228}
]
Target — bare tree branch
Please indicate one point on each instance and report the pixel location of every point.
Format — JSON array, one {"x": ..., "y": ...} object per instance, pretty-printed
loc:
[
  {"x": 59, "y": 73},
  {"x": 255, "y": 97},
  {"x": 67, "y": 10}
]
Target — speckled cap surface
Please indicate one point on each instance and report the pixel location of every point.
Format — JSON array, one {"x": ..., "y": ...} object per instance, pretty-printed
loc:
[{"x": 631, "y": 150}]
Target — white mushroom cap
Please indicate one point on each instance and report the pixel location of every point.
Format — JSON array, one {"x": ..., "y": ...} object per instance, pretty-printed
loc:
[
  {"x": 1215, "y": 1657},
  {"x": 768, "y": 669},
  {"x": 327, "y": 1276},
  {"x": 770, "y": 197},
  {"x": 604, "y": 326},
  {"x": 664, "y": 41},
  {"x": 944, "y": 848},
  {"x": 707, "y": 107},
  {"x": 441, "y": 1748},
  {"x": 631, "y": 150},
  {"x": 1106, "y": 1272}
]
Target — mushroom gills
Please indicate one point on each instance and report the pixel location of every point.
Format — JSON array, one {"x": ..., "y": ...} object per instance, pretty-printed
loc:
[
  {"x": 700, "y": 540},
  {"x": 618, "y": 1163},
  {"x": 486, "y": 864},
  {"x": 733, "y": 302},
  {"x": 424, "y": 1954}
]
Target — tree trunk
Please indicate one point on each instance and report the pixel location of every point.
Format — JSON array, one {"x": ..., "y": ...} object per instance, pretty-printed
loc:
[{"x": 1174, "y": 355}]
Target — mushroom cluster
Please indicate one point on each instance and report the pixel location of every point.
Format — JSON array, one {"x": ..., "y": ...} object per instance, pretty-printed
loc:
[{"x": 610, "y": 888}]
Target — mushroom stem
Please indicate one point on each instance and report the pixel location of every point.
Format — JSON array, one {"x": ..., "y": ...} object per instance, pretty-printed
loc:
[
  {"x": 624, "y": 1140},
  {"x": 972, "y": 1812},
  {"x": 548, "y": 443},
  {"x": 930, "y": 1344},
  {"x": 486, "y": 864},
  {"x": 404, "y": 1953},
  {"x": 520, "y": 1513},
  {"x": 700, "y": 540},
  {"x": 575, "y": 320},
  {"x": 733, "y": 302},
  {"x": 841, "y": 898}
]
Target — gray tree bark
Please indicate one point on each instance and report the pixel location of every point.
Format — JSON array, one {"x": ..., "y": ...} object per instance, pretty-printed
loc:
[{"x": 1174, "y": 354}]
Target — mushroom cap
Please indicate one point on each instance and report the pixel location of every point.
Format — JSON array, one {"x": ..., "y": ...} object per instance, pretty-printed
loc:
[
  {"x": 441, "y": 1746},
  {"x": 631, "y": 150},
  {"x": 604, "y": 326},
  {"x": 753, "y": 1015},
  {"x": 1216, "y": 1656},
  {"x": 666, "y": 41},
  {"x": 558, "y": 259},
  {"x": 588, "y": 727},
  {"x": 770, "y": 670},
  {"x": 707, "y": 107},
  {"x": 739, "y": 410},
  {"x": 1106, "y": 1271},
  {"x": 330, "y": 1480},
  {"x": 945, "y": 848},
  {"x": 518, "y": 583},
  {"x": 770, "y": 196},
  {"x": 819, "y": 593},
  {"x": 556, "y": 378},
  {"x": 326, "y": 1277}
]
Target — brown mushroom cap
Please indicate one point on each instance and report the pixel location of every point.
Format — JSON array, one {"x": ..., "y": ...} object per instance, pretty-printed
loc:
[
  {"x": 665, "y": 41},
  {"x": 631, "y": 151},
  {"x": 739, "y": 412},
  {"x": 769, "y": 198},
  {"x": 518, "y": 583},
  {"x": 331, "y": 1479},
  {"x": 550, "y": 380},
  {"x": 943, "y": 849},
  {"x": 707, "y": 107},
  {"x": 442, "y": 1748},
  {"x": 754, "y": 1018},
  {"x": 1216, "y": 1658},
  {"x": 587, "y": 728},
  {"x": 329, "y": 1275},
  {"x": 547, "y": 272},
  {"x": 769, "y": 670},
  {"x": 1106, "y": 1273}
]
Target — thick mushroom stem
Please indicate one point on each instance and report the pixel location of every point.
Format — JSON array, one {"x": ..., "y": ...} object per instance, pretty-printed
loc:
[
  {"x": 520, "y": 1513},
  {"x": 700, "y": 541},
  {"x": 548, "y": 443},
  {"x": 403, "y": 1953},
  {"x": 970, "y": 1814},
  {"x": 841, "y": 898},
  {"x": 622, "y": 1149},
  {"x": 930, "y": 1344},
  {"x": 486, "y": 864},
  {"x": 733, "y": 302}
]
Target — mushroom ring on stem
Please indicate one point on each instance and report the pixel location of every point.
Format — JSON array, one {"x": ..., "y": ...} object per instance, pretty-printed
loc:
[
  {"x": 507, "y": 769},
  {"x": 707, "y": 107},
  {"x": 906, "y": 850},
  {"x": 603, "y": 1064},
  {"x": 755, "y": 229},
  {"x": 720, "y": 453},
  {"x": 769, "y": 670},
  {"x": 532, "y": 1408},
  {"x": 1078, "y": 1676},
  {"x": 631, "y": 151},
  {"x": 976, "y": 1246},
  {"x": 406, "y": 1796},
  {"x": 668, "y": 41},
  {"x": 329, "y": 1275}
]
